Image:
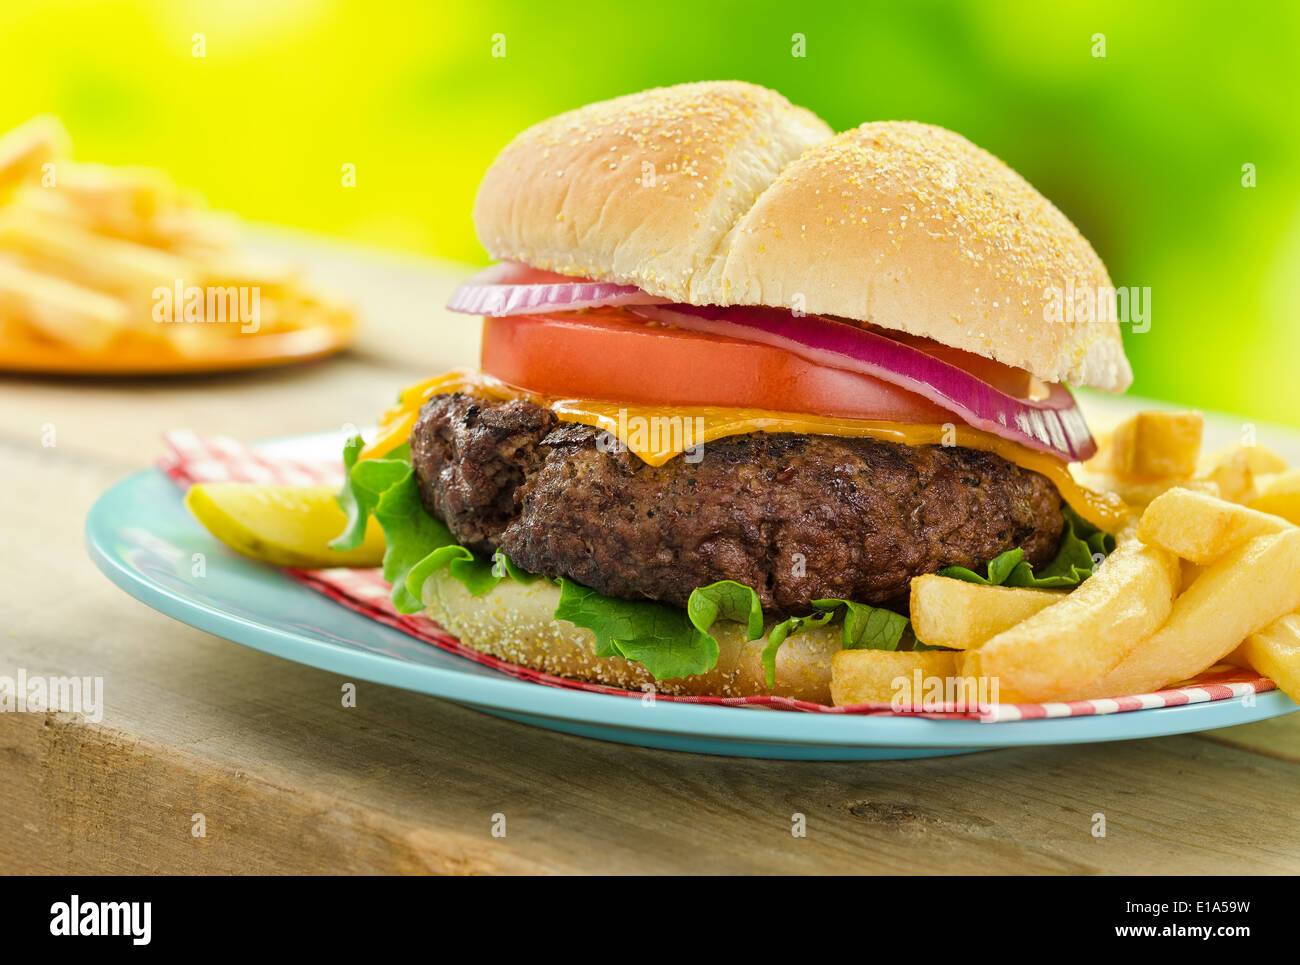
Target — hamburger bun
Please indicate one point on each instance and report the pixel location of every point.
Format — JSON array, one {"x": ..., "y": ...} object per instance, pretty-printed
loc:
[
  {"x": 642, "y": 189},
  {"x": 514, "y": 622},
  {"x": 912, "y": 227},
  {"x": 723, "y": 193}
]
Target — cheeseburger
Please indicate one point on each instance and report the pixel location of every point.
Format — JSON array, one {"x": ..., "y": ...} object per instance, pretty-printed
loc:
[{"x": 742, "y": 379}]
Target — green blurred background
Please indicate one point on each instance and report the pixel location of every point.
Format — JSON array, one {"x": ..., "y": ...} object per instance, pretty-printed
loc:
[{"x": 1142, "y": 148}]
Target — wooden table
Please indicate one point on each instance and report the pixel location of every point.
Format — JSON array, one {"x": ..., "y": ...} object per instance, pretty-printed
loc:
[{"x": 289, "y": 782}]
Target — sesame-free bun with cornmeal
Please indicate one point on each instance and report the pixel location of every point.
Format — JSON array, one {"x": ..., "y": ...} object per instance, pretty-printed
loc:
[
  {"x": 723, "y": 193},
  {"x": 642, "y": 189}
]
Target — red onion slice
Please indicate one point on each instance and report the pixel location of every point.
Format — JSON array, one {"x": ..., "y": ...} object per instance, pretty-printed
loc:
[
  {"x": 510, "y": 288},
  {"x": 1053, "y": 424}
]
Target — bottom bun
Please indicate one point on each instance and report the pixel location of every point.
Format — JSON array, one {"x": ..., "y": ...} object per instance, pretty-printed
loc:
[{"x": 513, "y": 622}]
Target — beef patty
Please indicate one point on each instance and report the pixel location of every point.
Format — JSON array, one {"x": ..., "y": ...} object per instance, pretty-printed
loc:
[{"x": 796, "y": 517}]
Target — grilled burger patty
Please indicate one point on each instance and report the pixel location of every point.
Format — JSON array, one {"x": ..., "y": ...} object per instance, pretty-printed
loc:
[{"x": 796, "y": 517}]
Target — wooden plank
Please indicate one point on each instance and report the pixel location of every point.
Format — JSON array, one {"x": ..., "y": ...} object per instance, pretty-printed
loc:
[
  {"x": 1279, "y": 737},
  {"x": 293, "y": 784}
]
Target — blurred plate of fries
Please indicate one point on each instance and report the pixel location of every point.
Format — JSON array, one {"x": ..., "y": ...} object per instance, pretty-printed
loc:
[{"x": 119, "y": 270}]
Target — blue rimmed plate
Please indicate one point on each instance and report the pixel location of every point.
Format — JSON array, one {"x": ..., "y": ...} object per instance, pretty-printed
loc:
[{"x": 140, "y": 534}]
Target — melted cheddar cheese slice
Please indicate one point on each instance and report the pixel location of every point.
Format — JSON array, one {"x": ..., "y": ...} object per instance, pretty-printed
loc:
[{"x": 657, "y": 433}]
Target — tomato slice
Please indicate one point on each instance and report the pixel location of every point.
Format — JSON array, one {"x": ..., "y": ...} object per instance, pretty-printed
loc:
[{"x": 616, "y": 356}]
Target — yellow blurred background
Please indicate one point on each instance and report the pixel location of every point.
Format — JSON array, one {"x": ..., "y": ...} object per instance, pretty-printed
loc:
[{"x": 1144, "y": 148}]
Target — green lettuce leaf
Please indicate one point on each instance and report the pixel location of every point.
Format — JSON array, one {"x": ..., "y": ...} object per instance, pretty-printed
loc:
[
  {"x": 350, "y": 501},
  {"x": 1082, "y": 547},
  {"x": 726, "y": 600},
  {"x": 869, "y": 627},
  {"x": 864, "y": 628},
  {"x": 789, "y": 627},
  {"x": 659, "y": 637},
  {"x": 386, "y": 489},
  {"x": 503, "y": 567},
  {"x": 361, "y": 492},
  {"x": 667, "y": 641},
  {"x": 478, "y": 576},
  {"x": 416, "y": 543},
  {"x": 410, "y": 534}
]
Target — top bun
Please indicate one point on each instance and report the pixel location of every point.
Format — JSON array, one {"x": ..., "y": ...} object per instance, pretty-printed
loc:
[
  {"x": 724, "y": 193},
  {"x": 641, "y": 189}
]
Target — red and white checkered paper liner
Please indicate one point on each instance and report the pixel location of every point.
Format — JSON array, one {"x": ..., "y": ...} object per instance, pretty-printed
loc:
[{"x": 192, "y": 458}]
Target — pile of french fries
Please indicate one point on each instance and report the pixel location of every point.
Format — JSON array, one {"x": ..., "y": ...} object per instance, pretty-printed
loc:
[
  {"x": 1206, "y": 571},
  {"x": 87, "y": 250}
]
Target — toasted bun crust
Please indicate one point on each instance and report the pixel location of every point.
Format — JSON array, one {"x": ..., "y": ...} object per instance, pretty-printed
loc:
[
  {"x": 641, "y": 189},
  {"x": 723, "y": 193},
  {"x": 912, "y": 227},
  {"x": 513, "y": 622}
]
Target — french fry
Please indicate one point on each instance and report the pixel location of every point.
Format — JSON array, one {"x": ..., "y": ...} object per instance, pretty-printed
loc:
[
  {"x": 1280, "y": 495},
  {"x": 1236, "y": 470},
  {"x": 275, "y": 278},
  {"x": 59, "y": 309},
  {"x": 1239, "y": 594},
  {"x": 92, "y": 246},
  {"x": 1157, "y": 445},
  {"x": 884, "y": 676},
  {"x": 46, "y": 203},
  {"x": 119, "y": 196},
  {"x": 1202, "y": 528},
  {"x": 954, "y": 613},
  {"x": 1275, "y": 653},
  {"x": 122, "y": 268},
  {"x": 1258, "y": 459},
  {"x": 1232, "y": 474},
  {"x": 26, "y": 149},
  {"x": 1075, "y": 641},
  {"x": 1099, "y": 465},
  {"x": 1139, "y": 494},
  {"x": 194, "y": 233},
  {"x": 1190, "y": 571}
]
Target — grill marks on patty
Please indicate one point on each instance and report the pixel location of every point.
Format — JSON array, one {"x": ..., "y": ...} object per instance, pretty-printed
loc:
[
  {"x": 796, "y": 517},
  {"x": 471, "y": 457}
]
